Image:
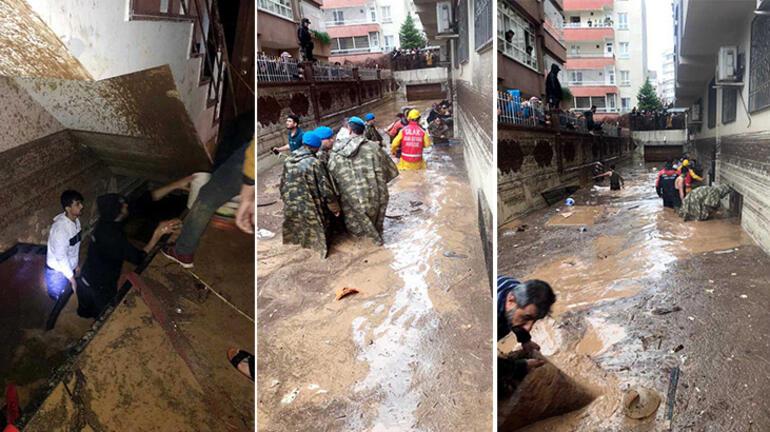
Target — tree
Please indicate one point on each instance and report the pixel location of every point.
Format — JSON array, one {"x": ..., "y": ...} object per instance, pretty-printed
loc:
[
  {"x": 647, "y": 98},
  {"x": 409, "y": 36}
]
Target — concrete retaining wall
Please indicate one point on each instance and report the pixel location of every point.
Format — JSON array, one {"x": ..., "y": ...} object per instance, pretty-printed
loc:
[{"x": 531, "y": 161}]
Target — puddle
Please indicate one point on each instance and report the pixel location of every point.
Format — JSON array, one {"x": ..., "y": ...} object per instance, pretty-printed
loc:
[
  {"x": 599, "y": 337},
  {"x": 575, "y": 216}
]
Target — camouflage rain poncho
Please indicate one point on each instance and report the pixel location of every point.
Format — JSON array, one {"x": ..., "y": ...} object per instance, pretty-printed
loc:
[
  {"x": 361, "y": 172},
  {"x": 702, "y": 201},
  {"x": 307, "y": 193}
]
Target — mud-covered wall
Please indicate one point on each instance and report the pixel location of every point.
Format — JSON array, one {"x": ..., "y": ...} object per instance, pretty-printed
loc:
[
  {"x": 21, "y": 118},
  {"x": 531, "y": 161},
  {"x": 142, "y": 126},
  {"x": 28, "y": 47},
  {"x": 317, "y": 103},
  {"x": 100, "y": 37},
  {"x": 33, "y": 177}
]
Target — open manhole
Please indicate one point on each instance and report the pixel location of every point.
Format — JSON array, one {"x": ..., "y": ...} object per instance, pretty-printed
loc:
[{"x": 545, "y": 392}]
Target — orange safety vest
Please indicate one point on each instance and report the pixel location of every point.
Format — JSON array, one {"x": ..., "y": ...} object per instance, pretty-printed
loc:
[{"x": 412, "y": 142}]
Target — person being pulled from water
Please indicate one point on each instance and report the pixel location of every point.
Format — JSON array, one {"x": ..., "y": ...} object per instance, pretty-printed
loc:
[
  {"x": 308, "y": 195},
  {"x": 616, "y": 181},
  {"x": 361, "y": 171},
  {"x": 108, "y": 248},
  {"x": 665, "y": 186},
  {"x": 411, "y": 140},
  {"x": 519, "y": 306},
  {"x": 61, "y": 261}
]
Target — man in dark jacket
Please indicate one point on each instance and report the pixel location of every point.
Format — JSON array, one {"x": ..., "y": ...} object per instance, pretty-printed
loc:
[
  {"x": 553, "y": 92},
  {"x": 108, "y": 248},
  {"x": 519, "y": 306},
  {"x": 305, "y": 40},
  {"x": 666, "y": 188}
]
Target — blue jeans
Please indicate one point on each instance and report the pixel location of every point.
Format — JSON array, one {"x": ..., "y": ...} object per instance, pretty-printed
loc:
[
  {"x": 59, "y": 289},
  {"x": 224, "y": 184}
]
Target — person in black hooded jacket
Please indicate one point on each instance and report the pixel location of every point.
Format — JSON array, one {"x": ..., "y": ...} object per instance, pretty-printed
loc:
[
  {"x": 553, "y": 91},
  {"x": 108, "y": 248}
]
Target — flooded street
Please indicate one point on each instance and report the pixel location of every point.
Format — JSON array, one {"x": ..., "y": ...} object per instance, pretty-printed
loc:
[
  {"x": 411, "y": 350},
  {"x": 639, "y": 293}
]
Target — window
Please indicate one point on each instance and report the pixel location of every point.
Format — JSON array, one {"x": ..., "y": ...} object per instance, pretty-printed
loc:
[
  {"x": 622, "y": 21},
  {"x": 608, "y": 48},
  {"x": 385, "y": 14},
  {"x": 729, "y": 104},
  {"x": 350, "y": 44},
  {"x": 482, "y": 23},
  {"x": 625, "y": 104},
  {"x": 339, "y": 17},
  {"x": 623, "y": 49},
  {"x": 277, "y": 7},
  {"x": 574, "y": 50},
  {"x": 712, "y": 108},
  {"x": 374, "y": 40},
  {"x": 611, "y": 76},
  {"x": 625, "y": 78},
  {"x": 149, "y": 9},
  {"x": 577, "y": 77},
  {"x": 759, "y": 85},
  {"x": 373, "y": 14},
  {"x": 582, "y": 102},
  {"x": 516, "y": 38},
  {"x": 610, "y": 101},
  {"x": 390, "y": 42},
  {"x": 574, "y": 20}
]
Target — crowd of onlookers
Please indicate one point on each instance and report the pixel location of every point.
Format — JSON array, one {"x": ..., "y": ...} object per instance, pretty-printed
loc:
[
  {"x": 656, "y": 119},
  {"x": 402, "y": 59}
]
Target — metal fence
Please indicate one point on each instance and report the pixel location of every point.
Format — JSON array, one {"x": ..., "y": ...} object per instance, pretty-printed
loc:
[
  {"x": 278, "y": 69},
  {"x": 367, "y": 74},
  {"x": 331, "y": 72}
]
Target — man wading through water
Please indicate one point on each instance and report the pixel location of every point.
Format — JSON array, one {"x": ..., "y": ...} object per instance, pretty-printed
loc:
[
  {"x": 519, "y": 306},
  {"x": 616, "y": 181}
]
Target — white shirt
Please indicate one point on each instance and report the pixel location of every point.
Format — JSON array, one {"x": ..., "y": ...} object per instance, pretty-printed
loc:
[{"x": 63, "y": 245}]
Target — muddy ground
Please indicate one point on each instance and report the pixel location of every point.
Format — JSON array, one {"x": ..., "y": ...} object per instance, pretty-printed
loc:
[
  {"x": 412, "y": 350},
  {"x": 639, "y": 292}
]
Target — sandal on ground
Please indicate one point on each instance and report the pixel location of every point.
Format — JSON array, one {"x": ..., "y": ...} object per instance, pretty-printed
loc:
[{"x": 237, "y": 357}]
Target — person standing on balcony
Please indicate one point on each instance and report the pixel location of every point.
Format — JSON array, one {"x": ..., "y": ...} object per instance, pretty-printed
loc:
[
  {"x": 361, "y": 171},
  {"x": 411, "y": 140},
  {"x": 305, "y": 40},
  {"x": 61, "y": 261},
  {"x": 553, "y": 92}
]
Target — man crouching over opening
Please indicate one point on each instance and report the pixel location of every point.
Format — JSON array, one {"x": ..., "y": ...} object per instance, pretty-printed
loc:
[{"x": 519, "y": 306}]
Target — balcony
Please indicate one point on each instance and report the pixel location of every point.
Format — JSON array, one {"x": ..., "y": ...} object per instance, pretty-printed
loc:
[
  {"x": 353, "y": 30},
  {"x": 365, "y": 50},
  {"x": 595, "y": 90},
  {"x": 347, "y": 22},
  {"x": 587, "y": 5},
  {"x": 585, "y": 83},
  {"x": 591, "y": 63},
  {"x": 586, "y": 34},
  {"x": 585, "y": 25}
]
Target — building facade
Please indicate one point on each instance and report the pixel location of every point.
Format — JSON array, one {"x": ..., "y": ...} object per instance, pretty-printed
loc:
[
  {"x": 606, "y": 53},
  {"x": 530, "y": 39},
  {"x": 729, "y": 110},
  {"x": 277, "y": 22},
  {"x": 362, "y": 29},
  {"x": 667, "y": 79}
]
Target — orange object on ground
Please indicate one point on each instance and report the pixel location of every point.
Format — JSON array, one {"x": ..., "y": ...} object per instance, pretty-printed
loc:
[
  {"x": 343, "y": 292},
  {"x": 12, "y": 412}
]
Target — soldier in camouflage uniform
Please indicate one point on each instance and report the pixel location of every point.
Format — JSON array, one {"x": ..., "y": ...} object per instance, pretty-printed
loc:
[
  {"x": 371, "y": 130},
  {"x": 702, "y": 201},
  {"x": 307, "y": 193},
  {"x": 361, "y": 173}
]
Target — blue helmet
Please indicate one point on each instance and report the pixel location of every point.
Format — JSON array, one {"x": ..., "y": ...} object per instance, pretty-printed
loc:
[
  {"x": 369, "y": 116},
  {"x": 324, "y": 132},
  {"x": 310, "y": 139},
  {"x": 356, "y": 120}
]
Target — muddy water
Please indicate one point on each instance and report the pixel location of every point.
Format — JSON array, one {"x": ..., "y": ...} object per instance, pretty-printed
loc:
[
  {"x": 28, "y": 354},
  {"x": 627, "y": 261},
  {"x": 411, "y": 350}
]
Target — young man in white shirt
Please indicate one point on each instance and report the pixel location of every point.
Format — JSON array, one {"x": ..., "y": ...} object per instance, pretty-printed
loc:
[{"x": 61, "y": 263}]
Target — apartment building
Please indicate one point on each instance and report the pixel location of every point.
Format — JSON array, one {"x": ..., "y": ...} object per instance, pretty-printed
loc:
[
  {"x": 606, "y": 53},
  {"x": 362, "y": 29},
  {"x": 530, "y": 39},
  {"x": 277, "y": 22},
  {"x": 667, "y": 79},
  {"x": 722, "y": 76}
]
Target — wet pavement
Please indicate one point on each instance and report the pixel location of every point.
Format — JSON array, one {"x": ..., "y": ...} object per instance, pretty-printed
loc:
[
  {"x": 639, "y": 292},
  {"x": 411, "y": 351}
]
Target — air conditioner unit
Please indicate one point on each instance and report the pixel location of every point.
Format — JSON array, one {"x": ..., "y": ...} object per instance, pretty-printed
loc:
[
  {"x": 727, "y": 64},
  {"x": 444, "y": 16}
]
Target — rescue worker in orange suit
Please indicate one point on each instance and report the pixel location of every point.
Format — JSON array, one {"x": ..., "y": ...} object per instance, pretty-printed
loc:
[
  {"x": 665, "y": 186},
  {"x": 411, "y": 139},
  {"x": 688, "y": 179}
]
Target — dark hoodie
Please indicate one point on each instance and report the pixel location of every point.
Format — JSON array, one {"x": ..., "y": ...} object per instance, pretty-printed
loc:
[
  {"x": 108, "y": 248},
  {"x": 553, "y": 92}
]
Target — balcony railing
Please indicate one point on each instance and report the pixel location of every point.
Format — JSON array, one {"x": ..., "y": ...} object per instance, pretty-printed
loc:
[
  {"x": 585, "y": 25},
  {"x": 512, "y": 110},
  {"x": 599, "y": 54},
  {"x": 355, "y": 51},
  {"x": 591, "y": 83},
  {"x": 344, "y": 22},
  {"x": 516, "y": 53},
  {"x": 278, "y": 69},
  {"x": 331, "y": 72},
  {"x": 277, "y": 7},
  {"x": 366, "y": 74},
  {"x": 599, "y": 110}
]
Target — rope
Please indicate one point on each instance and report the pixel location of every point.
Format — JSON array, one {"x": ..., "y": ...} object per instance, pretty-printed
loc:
[{"x": 208, "y": 287}]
